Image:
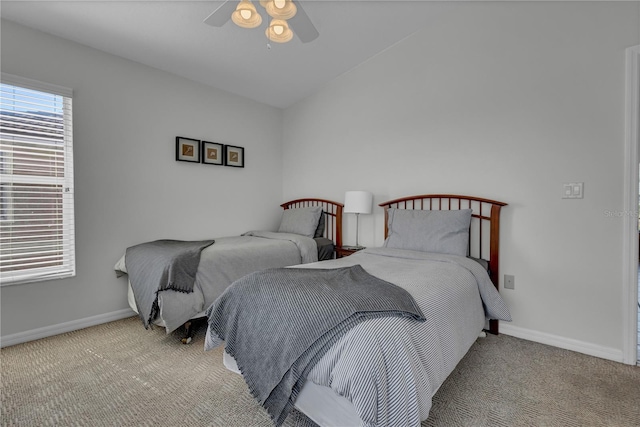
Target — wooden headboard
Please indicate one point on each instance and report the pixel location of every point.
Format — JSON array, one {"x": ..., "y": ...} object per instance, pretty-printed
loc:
[
  {"x": 484, "y": 235},
  {"x": 332, "y": 212}
]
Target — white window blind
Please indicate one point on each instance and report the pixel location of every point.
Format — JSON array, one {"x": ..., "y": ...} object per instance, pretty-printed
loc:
[{"x": 37, "y": 239}]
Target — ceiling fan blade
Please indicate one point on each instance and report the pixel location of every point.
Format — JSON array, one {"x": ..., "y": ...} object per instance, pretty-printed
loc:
[
  {"x": 302, "y": 25},
  {"x": 222, "y": 14}
]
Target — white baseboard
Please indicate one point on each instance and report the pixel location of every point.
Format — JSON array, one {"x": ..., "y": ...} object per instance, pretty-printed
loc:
[
  {"x": 505, "y": 328},
  {"x": 61, "y": 328},
  {"x": 561, "y": 342}
]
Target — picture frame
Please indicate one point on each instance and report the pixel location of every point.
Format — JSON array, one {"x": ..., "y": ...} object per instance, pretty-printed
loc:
[
  {"x": 187, "y": 149},
  {"x": 234, "y": 156},
  {"x": 212, "y": 153}
]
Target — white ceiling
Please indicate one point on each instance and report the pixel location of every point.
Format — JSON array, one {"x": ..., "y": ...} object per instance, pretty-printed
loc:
[{"x": 171, "y": 36}]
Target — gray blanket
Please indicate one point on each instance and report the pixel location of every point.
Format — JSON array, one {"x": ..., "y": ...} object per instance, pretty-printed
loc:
[
  {"x": 327, "y": 304},
  {"x": 160, "y": 265}
]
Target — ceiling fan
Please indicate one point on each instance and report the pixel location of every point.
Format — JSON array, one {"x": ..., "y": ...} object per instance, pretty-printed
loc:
[{"x": 280, "y": 28}]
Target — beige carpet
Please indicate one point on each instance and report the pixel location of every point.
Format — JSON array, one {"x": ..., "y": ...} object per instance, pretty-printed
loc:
[{"x": 119, "y": 374}]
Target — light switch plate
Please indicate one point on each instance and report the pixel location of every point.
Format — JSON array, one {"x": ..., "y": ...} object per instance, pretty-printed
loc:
[{"x": 573, "y": 190}]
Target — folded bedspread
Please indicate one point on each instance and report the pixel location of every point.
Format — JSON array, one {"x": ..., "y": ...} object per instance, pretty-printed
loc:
[
  {"x": 158, "y": 266},
  {"x": 327, "y": 304}
]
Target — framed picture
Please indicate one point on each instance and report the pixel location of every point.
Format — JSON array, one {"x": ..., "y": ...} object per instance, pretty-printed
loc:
[
  {"x": 234, "y": 156},
  {"x": 187, "y": 149},
  {"x": 212, "y": 153}
]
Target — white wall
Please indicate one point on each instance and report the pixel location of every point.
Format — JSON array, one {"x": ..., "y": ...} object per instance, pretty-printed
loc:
[
  {"x": 128, "y": 186},
  {"x": 505, "y": 101}
]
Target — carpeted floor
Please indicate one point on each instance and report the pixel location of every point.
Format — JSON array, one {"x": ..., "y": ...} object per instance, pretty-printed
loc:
[{"x": 120, "y": 374}]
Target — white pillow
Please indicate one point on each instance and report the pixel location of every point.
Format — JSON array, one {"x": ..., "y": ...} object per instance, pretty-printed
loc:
[
  {"x": 445, "y": 232},
  {"x": 303, "y": 221}
]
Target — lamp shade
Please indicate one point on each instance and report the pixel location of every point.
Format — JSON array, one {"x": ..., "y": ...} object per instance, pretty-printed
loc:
[
  {"x": 246, "y": 15},
  {"x": 278, "y": 31},
  {"x": 358, "y": 202},
  {"x": 280, "y": 9}
]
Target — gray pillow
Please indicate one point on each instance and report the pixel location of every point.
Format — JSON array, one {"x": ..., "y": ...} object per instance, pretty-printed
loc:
[
  {"x": 321, "y": 223},
  {"x": 445, "y": 232},
  {"x": 303, "y": 221}
]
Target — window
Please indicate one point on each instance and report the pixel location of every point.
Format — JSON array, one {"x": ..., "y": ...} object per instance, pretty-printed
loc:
[{"x": 37, "y": 240}]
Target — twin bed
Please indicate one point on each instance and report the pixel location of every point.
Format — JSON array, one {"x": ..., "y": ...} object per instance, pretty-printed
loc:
[
  {"x": 384, "y": 370},
  {"x": 308, "y": 232},
  {"x": 377, "y": 365}
]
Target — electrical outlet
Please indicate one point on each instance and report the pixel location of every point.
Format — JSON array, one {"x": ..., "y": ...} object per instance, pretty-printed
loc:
[{"x": 509, "y": 281}]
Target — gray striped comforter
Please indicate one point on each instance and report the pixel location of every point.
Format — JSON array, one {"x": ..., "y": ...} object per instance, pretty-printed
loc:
[
  {"x": 389, "y": 368},
  {"x": 327, "y": 304}
]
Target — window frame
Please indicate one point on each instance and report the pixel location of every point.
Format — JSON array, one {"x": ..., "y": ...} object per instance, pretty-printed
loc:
[{"x": 67, "y": 268}]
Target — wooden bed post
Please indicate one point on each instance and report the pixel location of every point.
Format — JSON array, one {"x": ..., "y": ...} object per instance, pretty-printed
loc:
[
  {"x": 494, "y": 245},
  {"x": 386, "y": 221},
  {"x": 338, "y": 238},
  {"x": 494, "y": 256}
]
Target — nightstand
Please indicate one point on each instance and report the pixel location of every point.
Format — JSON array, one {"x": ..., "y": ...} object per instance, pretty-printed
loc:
[{"x": 343, "y": 251}]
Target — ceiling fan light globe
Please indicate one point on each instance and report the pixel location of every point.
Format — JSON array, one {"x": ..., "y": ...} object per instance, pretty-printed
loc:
[
  {"x": 246, "y": 15},
  {"x": 281, "y": 9},
  {"x": 279, "y": 31}
]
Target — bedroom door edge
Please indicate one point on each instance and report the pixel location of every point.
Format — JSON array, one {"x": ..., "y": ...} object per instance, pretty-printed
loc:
[{"x": 630, "y": 222}]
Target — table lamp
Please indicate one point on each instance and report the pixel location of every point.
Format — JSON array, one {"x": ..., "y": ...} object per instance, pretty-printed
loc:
[{"x": 358, "y": 202}]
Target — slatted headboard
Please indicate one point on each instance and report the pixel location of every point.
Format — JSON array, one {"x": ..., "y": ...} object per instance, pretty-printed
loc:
[
  {"x": 484, "y": 235},
  {"x": 332, "y": 212}
]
